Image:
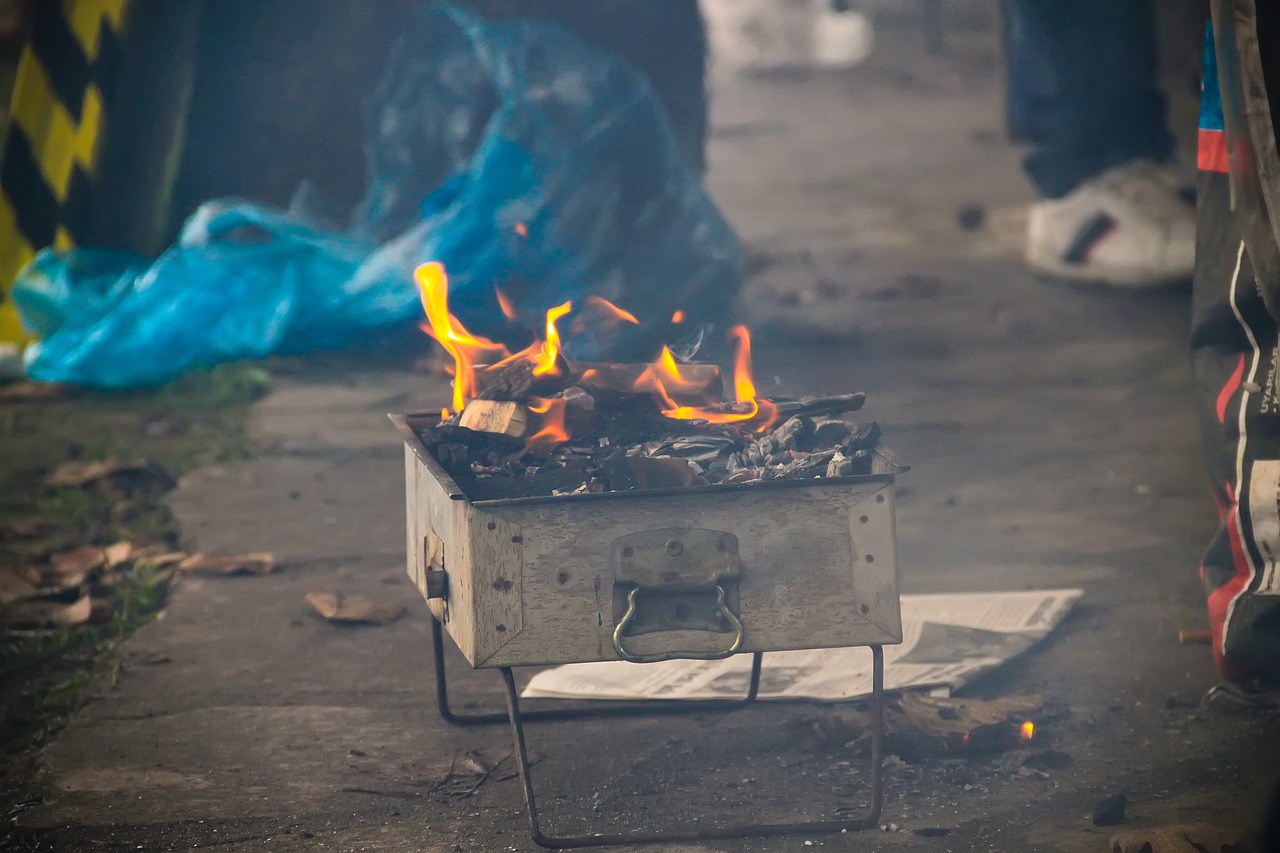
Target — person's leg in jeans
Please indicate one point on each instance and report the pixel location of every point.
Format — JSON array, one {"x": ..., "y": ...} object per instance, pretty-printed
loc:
[{"x": 1083, "y": 96}]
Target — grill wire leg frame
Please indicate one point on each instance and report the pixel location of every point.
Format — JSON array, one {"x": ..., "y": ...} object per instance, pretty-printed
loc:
[
  {"x": 517, "y": 717},
  {"x": 669, "y": 707}
]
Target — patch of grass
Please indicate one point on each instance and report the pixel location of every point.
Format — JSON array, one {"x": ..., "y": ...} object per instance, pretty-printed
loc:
[{"x": 197, "y": 419}]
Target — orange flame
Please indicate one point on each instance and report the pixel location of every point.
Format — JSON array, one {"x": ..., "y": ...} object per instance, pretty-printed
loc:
[
  {"x": 677, "y": 317},
  {"x": 465, "y": 347},
  {"x": 522, "y": 229},
  {"x": 750, "y": 407},
  {"x": 664, "y": 378},
  {"x": 508, "y": 310},
  {"x": 553, "y": 430},
  {"x": 545, "y": 361},
  {"x": 611, "y": 310},
  {"x": 1028, "y": 731}
]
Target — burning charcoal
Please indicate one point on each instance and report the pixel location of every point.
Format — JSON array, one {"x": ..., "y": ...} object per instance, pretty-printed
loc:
[
  {"x": 451, "y": 454},
  {"x": 829, "y": 432},
  {"x": 809, "y": 464},
  {"x": 496, "y": 417},
  {"x": 793, "y": 432},
  {"x": 580, "y": 411},
  {"x": 733, "y": 463},
  {"x": 867, "y": 438},
  {"x": 651, "y": 472},
  {"x": 703, "y": 449},
  {"x": 863, "y": 461},
  {"x": 840, "y": 465}
]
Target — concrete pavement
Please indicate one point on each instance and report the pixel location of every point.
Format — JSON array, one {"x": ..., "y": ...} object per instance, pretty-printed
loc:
[{"x": 1052, "y": 440}]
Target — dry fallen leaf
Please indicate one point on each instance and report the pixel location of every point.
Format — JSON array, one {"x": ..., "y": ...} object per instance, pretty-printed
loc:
[
  {"x": 69, "y": 568},
  {"x": 118, "y": 554},
  {"x": 32, "y": 392},
  {"x": 45, "y": 612},
  {"x": 1188, "y": 838},
  {"x": 337, "y": 607},
  {"x": 259, "y": 563},
  {"x": 84, "y": 473}
]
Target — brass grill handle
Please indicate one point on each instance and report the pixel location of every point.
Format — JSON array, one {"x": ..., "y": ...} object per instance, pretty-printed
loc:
[{"x": 720, "y": 609}]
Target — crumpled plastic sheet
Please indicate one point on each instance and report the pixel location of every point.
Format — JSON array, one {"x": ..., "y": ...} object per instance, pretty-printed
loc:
[{"x": 515, "y": 154}]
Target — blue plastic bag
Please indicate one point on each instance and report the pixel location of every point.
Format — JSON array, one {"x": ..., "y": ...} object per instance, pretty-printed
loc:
[
  {"x": 242, "y": 282},
  {"x": 515, "y": 154}
]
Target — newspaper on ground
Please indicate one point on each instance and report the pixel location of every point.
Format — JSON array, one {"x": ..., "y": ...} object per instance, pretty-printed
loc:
[{"x": 947, "y": 640}]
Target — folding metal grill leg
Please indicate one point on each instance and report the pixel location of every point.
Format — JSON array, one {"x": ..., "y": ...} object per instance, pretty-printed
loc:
[
  {"x": 867, "y": 821},
  {"x": 674, "y": 707}
]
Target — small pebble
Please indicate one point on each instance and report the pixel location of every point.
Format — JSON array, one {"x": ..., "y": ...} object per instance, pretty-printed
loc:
[{"x": 1109, "y": 811}]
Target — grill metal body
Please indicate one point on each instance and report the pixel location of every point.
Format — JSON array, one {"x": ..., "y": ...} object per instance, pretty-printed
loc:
[
  {"x": 548, "y": 580},
  {"x": 700, "y": 572}
]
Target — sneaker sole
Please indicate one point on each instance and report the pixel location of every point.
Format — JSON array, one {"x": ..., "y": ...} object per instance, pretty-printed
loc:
[{"x": 1118, "y": 278}]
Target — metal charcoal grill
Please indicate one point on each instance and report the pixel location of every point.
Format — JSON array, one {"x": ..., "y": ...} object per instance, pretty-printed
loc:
[{"x": 701, "y": 572}]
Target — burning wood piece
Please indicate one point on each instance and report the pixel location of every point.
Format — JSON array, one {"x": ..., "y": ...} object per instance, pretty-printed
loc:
[
  {"x": 536, "y": 424},
  {"x": 813, "y": 406},
  {"x": 517, "y": 380},
  {"x": 496, "y": 417},
  {"x": 702, "y": 453},
  {"x": 698, "y": 383}
]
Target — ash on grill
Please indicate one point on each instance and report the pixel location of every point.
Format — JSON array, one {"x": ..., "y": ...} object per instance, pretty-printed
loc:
[{"x": 620, "y": 442}]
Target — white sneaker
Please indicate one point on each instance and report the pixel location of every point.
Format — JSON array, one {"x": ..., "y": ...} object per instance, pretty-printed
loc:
[{"x": 1128, "y": 227}]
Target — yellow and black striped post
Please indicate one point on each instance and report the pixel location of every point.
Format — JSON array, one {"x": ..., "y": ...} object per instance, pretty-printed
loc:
[{"x": 64, "y": 84}]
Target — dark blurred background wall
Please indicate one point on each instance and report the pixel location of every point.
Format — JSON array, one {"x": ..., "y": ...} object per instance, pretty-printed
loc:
[{"x": 279, "y": 88}]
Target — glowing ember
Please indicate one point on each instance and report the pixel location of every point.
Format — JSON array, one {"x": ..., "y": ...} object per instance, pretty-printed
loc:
[
  {"x": 611, "y": 310},
  {"x": 508, "y": 310},
  {"x": 677, "y": 317},
  {"x": 522, "y": 229},
  {"x": 1028, "y": 731}
]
